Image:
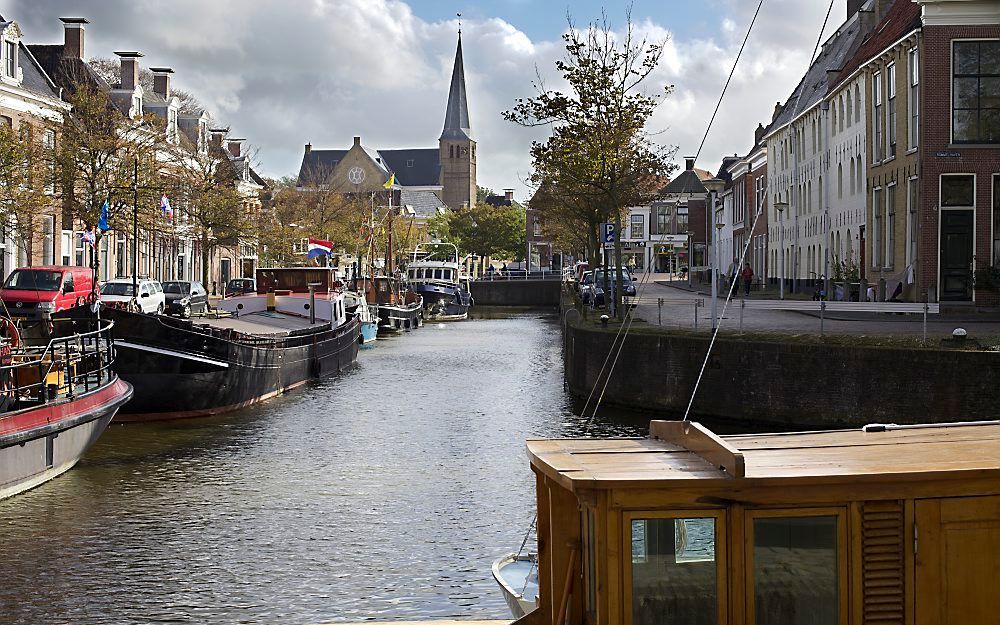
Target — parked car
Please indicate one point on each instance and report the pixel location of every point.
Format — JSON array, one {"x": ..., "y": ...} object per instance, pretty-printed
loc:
[
  {"x": 241, "y": 286},
  {"x": 596, "y": 288},
  {"x": 31, "y": 293},
  {"x": 119, "y": 292},
  {"x": 183, "y": 297}
]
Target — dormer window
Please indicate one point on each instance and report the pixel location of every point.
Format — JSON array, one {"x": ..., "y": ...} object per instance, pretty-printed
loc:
[
  {"x": 10, "y": 35},
  {"x": 136, "y": 106},
  {"x": 171, "y": 125}
]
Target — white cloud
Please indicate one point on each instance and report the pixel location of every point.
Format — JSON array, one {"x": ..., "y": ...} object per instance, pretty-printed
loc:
[{"x": 283, "y": 73}]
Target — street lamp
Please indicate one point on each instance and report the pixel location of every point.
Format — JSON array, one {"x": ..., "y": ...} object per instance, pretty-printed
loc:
[
  {"x": 781, "y": 206},
  {"x": 714, "y": 186}
]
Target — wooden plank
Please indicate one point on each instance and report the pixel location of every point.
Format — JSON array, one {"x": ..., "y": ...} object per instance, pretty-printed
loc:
[{"x": 702, "y": 442}]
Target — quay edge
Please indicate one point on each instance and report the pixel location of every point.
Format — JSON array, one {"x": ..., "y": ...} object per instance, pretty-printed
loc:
[{"x": 781, "y": 384}]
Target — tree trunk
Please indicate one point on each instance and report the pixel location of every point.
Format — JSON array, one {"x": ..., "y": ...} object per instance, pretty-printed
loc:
[{"x": 204, "y": 261}]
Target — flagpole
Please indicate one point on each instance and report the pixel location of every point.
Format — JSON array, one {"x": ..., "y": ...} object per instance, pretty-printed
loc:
[{"x": 135, "y": 230}]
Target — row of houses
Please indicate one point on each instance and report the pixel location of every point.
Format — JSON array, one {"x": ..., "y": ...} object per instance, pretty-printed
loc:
[
  {"x": 36, "y": 83},
  {"x": 882, "y": 166}
]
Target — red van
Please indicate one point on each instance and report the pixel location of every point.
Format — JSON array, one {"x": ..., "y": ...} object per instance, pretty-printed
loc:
[{"x": 32, "y": 293}]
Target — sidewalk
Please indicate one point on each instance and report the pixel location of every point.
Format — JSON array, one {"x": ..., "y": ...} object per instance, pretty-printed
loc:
[{"x": 679, "y": 312}]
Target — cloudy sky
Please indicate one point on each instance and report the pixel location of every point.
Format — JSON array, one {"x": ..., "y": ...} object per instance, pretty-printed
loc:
[{"x": 285, "y": 72}]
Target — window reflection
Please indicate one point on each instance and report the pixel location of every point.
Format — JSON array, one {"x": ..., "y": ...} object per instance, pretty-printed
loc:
[
  {"x": 674, "y": 576},
  {"x": 795, "y": 570}
]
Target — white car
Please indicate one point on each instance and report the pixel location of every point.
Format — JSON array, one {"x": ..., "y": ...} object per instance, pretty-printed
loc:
[{"x": 118, "y": 292}]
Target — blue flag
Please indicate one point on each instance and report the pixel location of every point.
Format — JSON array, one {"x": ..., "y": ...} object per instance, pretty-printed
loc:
[{"x": 102, "y": 222}]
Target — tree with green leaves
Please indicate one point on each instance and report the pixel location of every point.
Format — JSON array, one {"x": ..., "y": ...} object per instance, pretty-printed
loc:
[
  {"x": 24, "y": 175},
  {"x": 600, "y": 158},
  {"x": 207, "y": 202},
  {"x": 100, "y": 154}
]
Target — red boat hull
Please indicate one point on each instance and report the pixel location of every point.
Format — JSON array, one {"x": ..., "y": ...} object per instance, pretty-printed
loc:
[{"x": 38, "y": 444}]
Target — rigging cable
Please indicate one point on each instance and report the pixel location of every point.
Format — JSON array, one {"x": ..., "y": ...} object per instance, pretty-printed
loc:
[
  {"x": 746, "y": 247},
  {"x": 619, "y": 340}
]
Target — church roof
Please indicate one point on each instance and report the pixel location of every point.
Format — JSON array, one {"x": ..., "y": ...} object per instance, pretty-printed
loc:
[
  {"x": 456, "y": 118},
  {"x": 318, "y": 164},
  {"x": 418, "y": 167}
]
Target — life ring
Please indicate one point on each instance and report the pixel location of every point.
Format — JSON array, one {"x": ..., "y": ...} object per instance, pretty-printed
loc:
[
  {"x": 81, "y": 301},
  {"x": 12, "y": 334}
]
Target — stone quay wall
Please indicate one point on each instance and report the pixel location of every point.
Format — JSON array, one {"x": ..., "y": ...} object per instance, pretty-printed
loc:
[
  {"x": 524, "y": 293},
  {"x": 781, "y": 384}
]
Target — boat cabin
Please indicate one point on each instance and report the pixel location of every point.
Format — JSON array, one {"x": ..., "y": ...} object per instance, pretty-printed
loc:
[
  {"x": 297, "y": 279},
  {"x": 887, "y": 524}
]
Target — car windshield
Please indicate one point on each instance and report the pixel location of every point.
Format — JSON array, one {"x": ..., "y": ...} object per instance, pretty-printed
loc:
[
  {"x": 118, "y": 288},
  {"x": 612, "y": 277},
  {"x": 177, "y": 288},
  {"x": 33, "y": 280}
]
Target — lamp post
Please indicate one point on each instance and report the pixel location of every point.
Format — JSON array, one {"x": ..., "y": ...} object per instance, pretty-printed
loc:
[
  {"x": 714, "y": 185},
  {"x": 781, "y": 206}
]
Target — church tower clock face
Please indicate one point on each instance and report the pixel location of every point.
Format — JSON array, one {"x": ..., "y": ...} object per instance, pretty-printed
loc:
[{"x": 356, "y": 175}]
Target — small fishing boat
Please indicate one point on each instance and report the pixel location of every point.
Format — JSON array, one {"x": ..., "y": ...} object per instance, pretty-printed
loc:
[
  {"x": 517, "y": 576},
  {"x": 399, "y": 308},
  {"x": 367, "y": 314},
  {"x": 436, "y": 274},
  {"x": 56, "y": 398}
]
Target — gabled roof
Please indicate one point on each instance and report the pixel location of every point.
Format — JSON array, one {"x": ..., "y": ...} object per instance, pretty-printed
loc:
[
  {"x": 688, "y": 181},
  {"x": 424, "y": 203},
  {"x": 33, "y": 76},
  {"x": 815, "y": 84},
  {"x": 67, "y": 72},
  {"x": 318, "y": 163},
  {"x": 417, "y": 167},
  {"x": 456, "y": 117},
  {"x": 902, "y": 18}
]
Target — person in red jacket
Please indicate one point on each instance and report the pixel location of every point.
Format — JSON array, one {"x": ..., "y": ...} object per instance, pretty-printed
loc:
[{"x": 747, "y": 276}]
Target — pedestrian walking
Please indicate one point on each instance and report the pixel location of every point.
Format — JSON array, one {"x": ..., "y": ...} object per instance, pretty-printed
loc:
[{"x": 747, "y": 276}]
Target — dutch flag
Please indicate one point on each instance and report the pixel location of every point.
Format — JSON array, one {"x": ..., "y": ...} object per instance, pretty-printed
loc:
[
  {"x": 318, "y": 247},
  {"x": 165, "y": 207}
]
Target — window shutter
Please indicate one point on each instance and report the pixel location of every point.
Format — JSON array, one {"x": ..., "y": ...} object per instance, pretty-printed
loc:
[{"x": 882, "y": 562}]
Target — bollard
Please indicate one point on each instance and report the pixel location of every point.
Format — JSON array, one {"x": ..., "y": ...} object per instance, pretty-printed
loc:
[
  {"x": 743, "y": 305},
  {"x": 659, "y": 311},
  {"x": 822, "y": 309},
  {"x": 604, "y": 321}
]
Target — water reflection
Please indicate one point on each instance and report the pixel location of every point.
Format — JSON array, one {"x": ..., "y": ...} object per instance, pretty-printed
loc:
[{"x": 384, "y": 493}]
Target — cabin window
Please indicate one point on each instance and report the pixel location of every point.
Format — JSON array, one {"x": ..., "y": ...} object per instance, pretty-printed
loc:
[
  {"x": 795, "y": 569},
  {"x": 675, "y": 571},
  {"x": 447, "y": 274},
  {"x": 437, "y": 274}
]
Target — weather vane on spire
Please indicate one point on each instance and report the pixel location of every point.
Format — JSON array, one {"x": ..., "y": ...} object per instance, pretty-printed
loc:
[{"x": 459, "y": 23}]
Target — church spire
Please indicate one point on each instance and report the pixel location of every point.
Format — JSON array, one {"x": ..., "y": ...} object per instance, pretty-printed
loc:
[{"x": 456, "y": 117}]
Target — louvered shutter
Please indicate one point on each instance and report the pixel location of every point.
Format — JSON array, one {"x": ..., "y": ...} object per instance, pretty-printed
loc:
[{"x": 882, "y": 534}]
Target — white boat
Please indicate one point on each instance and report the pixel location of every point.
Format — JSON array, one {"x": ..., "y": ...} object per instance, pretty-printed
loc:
[{"x": 518, "y": 579}]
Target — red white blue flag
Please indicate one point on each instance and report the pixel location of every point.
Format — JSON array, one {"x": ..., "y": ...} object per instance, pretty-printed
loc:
[
  {"x": 165, "y": 207},
  {"x": 318, "y": 247}
]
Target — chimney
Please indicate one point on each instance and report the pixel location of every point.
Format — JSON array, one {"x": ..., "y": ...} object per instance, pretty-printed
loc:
[
  {"x": 235, "y": 146},
  {"x": 758, "y": 134},
  {"x": 689, "y": 163},
  {"x": 777, "y": 111},
  {"x": 309, "y": 148},
  {"x": 73, "y": 36},
  {"x": 508, "y": 195},
  {"x": 357, "y": 141},
  {"x": 130, "y": 69},
  {"x": 217, "y": 134},
  {"x": 161, "y": 81}
]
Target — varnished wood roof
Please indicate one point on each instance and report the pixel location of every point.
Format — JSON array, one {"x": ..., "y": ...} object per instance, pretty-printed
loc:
[{"x": 822, "y": 457}]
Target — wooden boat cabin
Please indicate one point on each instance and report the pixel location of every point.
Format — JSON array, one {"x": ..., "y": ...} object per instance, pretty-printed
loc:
[{"x": 886, "y": 525}]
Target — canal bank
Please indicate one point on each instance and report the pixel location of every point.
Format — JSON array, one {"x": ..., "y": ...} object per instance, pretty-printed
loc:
[{"x": 784, "y": 382}]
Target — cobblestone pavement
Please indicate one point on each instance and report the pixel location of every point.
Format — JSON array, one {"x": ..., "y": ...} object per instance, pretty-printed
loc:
[{"x": 679, "y": 311}]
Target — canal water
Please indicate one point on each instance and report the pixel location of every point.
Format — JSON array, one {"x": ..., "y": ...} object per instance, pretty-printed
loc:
[{"x": 384, "y": 493}]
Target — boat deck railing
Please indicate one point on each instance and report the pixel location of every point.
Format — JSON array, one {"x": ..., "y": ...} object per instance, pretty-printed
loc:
[{"x": 64, "y": 367}]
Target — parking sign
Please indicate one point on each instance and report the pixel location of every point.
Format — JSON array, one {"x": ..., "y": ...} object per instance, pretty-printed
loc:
[{"x": 608, "y": 233}]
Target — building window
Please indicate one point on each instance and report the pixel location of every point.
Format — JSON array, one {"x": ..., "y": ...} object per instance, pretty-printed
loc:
[
  {"x": 913, "y": 98},
  {"x": 877, "y": 122},
  {"x": 857, "y": 104},
  {"x": 49, "y": 143},
  {"x": 536, "y": 227},
  {"x": 853, "y": 189},
  {"x": 890, "y": 92},
  {"x": 890, "y": 225},
  {"x": 958, "y": 191},
  {"x": 876, "y": 226},
  {"x": 849, "y": 109},
  {"x": 976, "y": 92},
  {"x": 6, "y": 122},
  {"x": 10, "y": 59},
  {"x": 840, "y": 180},
  {"x": 66, "y": 247},
  {"x": 48, "y": 240},
  {"x": 912, "y": 195},
  {"x": 637, "y": 229}
]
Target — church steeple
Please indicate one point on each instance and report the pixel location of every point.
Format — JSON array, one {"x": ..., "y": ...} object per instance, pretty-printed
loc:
[{"x": 456, "y": 117}]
